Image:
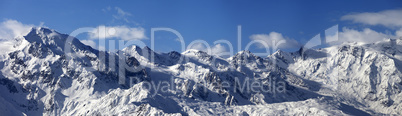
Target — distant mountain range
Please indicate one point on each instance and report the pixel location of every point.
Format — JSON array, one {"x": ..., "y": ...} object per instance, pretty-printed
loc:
[{"x": 48, "y": 73}]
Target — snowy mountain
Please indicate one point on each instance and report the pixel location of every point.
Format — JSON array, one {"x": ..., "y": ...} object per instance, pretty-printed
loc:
[
  {"x": 367, "y": 76},
  {"x": 48, "y": 73}
]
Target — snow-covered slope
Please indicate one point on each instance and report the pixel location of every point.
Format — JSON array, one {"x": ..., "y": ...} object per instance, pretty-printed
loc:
[
  {"x": 39, "y": 77},
  {"x": 48, "y": 73},
  {"x": 366, "y": 76}
]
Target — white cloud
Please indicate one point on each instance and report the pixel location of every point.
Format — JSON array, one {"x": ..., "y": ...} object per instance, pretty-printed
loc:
[
  {"x": 122, "y": 32},
  {"x": 274, "y": 39},
  {"x": 398, "y": 33},
  {"x": 107, "y": 9},
  {"x": 9, "y": 29},
  {"x": 364, "y": 36},
  {"x": 6, "y": 46},
  {"x": 217, "y": 50},
  {"x": 199, "y": 46},
  {"x": 388, "y": 18},
  {"x": 121, "y": 12}
]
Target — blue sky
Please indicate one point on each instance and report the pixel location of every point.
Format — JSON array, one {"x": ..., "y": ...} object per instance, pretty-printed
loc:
[{"x": 210, "y": 20}]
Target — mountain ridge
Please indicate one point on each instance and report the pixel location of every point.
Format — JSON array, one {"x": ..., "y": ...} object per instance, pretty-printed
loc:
[{"x": 39, "y": 79}]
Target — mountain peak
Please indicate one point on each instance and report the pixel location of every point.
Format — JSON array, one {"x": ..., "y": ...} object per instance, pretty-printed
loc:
[
  {"x": 282, "y": 56},
  {"x": 245, "y": 53},
  {"x": 191, "y": 51},
  {"x": 195, "y": 52},
  {"x": 40, "y": 31},
  {"x": 147, "y": 48},
  {"x": 132, "y": 47},
  {"x": 40, "y": 37},
  {"x": 43, "y": 35},
  {"x": 280, "y": 53}
]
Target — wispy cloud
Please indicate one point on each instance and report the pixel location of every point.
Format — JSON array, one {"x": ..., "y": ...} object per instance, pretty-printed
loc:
[
  {"x": 388, "y": 18},
  {"x": 120, "y": 32},
  {"x": 398, "y": 33},
  {"x": 119, "y": 14},
  {"x": 365, "y": 36},
  {"x": 274, "y": 40},
  {"x": 107, "y": 9},
  {"x": 218, "y": 49},
  {"x": 9, "y": 29}
]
